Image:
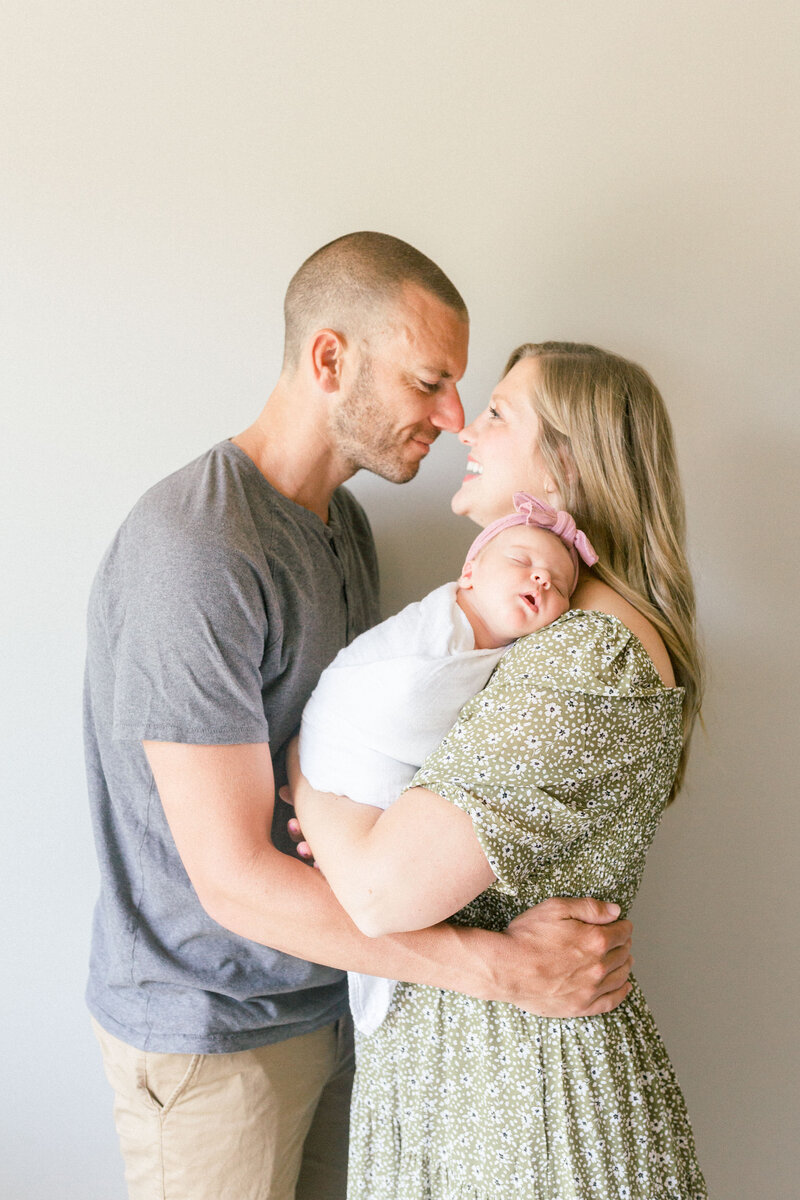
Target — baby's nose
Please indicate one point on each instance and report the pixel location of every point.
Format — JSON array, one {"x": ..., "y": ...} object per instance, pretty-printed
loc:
[{"x": 541, "y": 576}]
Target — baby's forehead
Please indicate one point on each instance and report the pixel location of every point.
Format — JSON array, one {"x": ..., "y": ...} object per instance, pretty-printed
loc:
[{"x": 532, "y": 538}]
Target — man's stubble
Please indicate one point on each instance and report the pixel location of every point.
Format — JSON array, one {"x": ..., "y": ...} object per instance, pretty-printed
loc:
[{"x": 366, "y": 436}]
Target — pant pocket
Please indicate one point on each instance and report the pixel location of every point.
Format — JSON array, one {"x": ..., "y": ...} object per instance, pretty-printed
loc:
[{"x": 165, "y": 1078}]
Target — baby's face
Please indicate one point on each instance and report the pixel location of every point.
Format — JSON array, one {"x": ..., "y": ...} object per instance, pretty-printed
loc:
[{"x": 520, "y": 581}]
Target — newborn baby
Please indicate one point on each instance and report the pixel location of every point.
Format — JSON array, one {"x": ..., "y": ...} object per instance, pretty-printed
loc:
[{"x": 390, "y": 697}]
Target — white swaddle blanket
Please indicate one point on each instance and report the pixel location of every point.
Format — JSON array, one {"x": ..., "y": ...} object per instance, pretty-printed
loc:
[{"x": 378, "y": 710}]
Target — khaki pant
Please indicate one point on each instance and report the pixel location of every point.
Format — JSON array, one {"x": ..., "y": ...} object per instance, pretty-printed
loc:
[{"x": 265, "y": 1124}]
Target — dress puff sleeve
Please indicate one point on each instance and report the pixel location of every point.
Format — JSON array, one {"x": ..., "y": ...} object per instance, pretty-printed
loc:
[{"x": 573, "y": 743}]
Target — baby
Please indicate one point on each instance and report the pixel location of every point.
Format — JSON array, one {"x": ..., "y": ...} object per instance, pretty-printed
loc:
[{"x": 388, "y": 699}]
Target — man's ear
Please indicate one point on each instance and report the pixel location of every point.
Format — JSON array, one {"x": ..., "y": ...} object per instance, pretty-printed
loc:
[
  {"x": 327, "y": 353},
  {"x": 465, "y": 578}
]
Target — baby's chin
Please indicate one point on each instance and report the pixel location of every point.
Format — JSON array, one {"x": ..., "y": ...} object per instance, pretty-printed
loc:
[{"x": 542, "y": 620}]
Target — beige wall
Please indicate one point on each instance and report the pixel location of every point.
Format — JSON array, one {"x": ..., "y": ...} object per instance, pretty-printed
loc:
[{"x": 621, "y": 172}]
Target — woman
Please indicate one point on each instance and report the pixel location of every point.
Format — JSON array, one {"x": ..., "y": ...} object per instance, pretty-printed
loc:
[{"x": 551, "y": 782}]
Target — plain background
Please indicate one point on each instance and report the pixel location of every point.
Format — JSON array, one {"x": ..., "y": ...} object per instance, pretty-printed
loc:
[{"x": 619, "y": 172}]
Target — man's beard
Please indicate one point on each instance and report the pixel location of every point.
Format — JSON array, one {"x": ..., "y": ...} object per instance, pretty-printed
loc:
[{"x": 366, "y": 437}]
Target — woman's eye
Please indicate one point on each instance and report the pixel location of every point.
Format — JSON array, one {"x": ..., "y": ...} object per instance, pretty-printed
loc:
[{"x": 493, "y": 413}]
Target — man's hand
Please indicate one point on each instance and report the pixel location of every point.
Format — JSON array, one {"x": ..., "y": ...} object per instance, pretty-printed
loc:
[{"x": 571, "y": 958}]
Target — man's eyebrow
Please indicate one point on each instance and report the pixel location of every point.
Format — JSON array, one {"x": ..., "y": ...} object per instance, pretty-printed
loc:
[{"x": 438, "y": 371}]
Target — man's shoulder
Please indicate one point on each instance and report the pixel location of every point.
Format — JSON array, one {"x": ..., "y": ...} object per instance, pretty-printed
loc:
[
  {"x": 217, "y": 476},
  {"x": 195, "y": 524},
  {"x": 218, "y": 500}
]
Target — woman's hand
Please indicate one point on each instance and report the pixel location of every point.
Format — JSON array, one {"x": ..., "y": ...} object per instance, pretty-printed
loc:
[
  {"x": 302, "y": 847},
  {"x": 316, "y": 809},
  {"x": 293, "y": 772},
  {"x": 286, "y": 793}
]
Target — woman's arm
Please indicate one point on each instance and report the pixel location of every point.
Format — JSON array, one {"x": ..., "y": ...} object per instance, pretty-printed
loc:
[
  {"x": 403, "y": 869},
  {"x": 526, "y": 772}
]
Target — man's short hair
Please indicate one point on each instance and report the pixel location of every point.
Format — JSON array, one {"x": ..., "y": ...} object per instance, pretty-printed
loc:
[{"x": 348, "y": 284}]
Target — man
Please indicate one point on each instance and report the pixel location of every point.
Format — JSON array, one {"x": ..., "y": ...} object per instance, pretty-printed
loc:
[{"x": 215, "y": 981}]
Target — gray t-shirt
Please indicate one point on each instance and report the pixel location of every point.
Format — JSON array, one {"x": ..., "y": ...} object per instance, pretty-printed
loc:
[{"x": 212, "y": 614}]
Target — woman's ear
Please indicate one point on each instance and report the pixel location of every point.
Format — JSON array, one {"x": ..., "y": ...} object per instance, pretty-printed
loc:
[
  {"x": 465, "y": 578},
  {"x": 551, "y": 492},
  {"x": 569, "y": 475},
  {"x": 327, "y": 353}
]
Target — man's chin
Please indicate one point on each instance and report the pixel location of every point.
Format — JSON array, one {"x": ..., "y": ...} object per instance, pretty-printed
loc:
[
  {"x": 393, "y": 468},
  {"x": 399, "y": 472}
]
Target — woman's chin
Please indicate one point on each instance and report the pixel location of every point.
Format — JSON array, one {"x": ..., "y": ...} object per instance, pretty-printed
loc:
[
  {"x": 465, "y": 504},
  {"x": 465, "y": 509},
  {"x": 459, "y": 504}
]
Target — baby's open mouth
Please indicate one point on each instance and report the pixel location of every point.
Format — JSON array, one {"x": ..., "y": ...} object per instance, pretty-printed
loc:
[{"x": 531, "y": 600}]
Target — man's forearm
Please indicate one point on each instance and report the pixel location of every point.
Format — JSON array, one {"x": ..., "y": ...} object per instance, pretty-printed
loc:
[
  {"x": 564, "y": 958},
  {"x": 218, "y": 802},
  {"x": 289, "y": 906}
]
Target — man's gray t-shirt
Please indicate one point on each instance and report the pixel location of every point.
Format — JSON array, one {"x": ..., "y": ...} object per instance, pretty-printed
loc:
[{"x": 212, "y": 614}]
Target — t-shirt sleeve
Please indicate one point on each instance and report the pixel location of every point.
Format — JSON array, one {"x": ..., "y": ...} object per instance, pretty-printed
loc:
[
  {"x": 552, "y": 745},
  {"x": 188, "y": 643}
]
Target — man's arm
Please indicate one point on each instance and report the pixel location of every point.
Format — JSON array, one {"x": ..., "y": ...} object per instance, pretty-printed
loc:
[{"x": 563, "y": 958}]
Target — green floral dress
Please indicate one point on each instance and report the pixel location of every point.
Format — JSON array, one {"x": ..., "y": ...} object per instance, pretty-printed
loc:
[{"x": 564, "y": 763}]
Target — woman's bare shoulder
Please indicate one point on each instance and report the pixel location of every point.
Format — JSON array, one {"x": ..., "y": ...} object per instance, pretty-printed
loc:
[{"x": 593, "y": 595}]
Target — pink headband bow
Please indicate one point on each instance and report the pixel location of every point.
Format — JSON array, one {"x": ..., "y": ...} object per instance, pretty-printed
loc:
[{"x": 530, "y": 511}]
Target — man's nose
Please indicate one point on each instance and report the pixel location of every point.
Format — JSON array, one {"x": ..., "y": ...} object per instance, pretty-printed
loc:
[{"x": 448, "y": 414}]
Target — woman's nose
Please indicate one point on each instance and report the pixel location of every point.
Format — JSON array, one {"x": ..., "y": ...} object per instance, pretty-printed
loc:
[{"x": 467, "y": 434}]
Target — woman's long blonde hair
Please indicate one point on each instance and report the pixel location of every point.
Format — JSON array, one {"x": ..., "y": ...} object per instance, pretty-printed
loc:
[{"x": 606, "y": 439}]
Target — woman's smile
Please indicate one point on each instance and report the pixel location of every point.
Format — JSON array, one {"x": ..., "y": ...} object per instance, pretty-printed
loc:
[{"x": 504, "y": 455}]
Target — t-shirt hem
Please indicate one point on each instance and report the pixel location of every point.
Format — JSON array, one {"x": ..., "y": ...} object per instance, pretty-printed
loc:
[
  {"x": 225, "y": 735},
  {"x": 213, "y": 1043}
]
